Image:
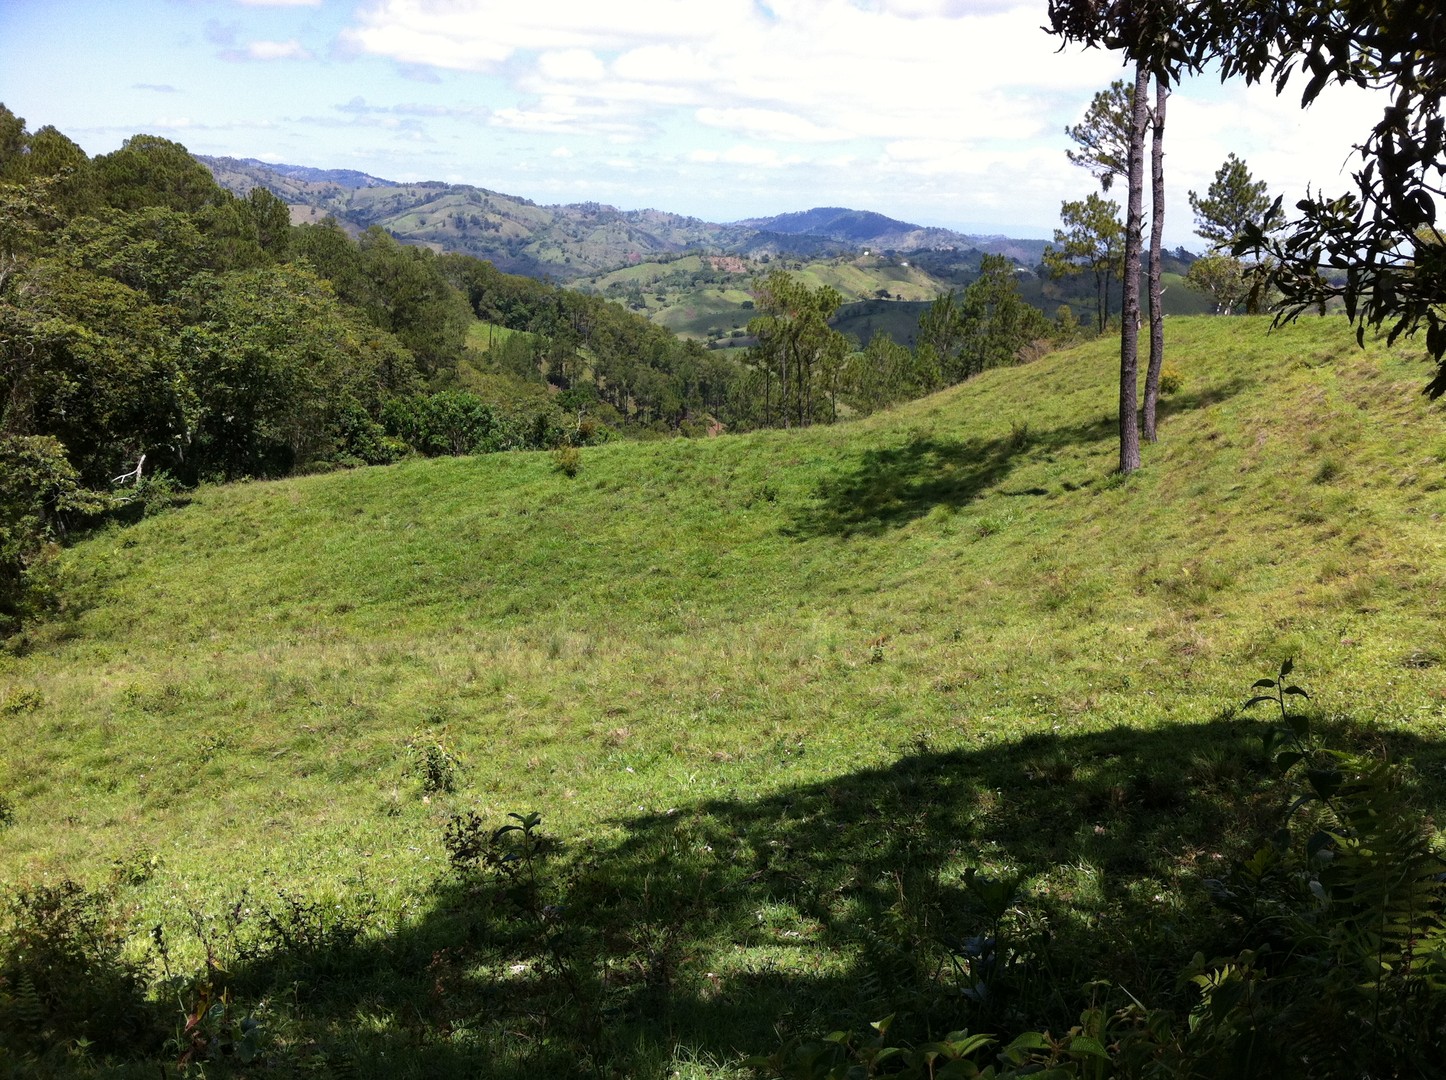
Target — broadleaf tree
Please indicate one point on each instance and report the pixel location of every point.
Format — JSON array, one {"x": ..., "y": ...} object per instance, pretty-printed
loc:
[{"x": 1221, "y": 278}]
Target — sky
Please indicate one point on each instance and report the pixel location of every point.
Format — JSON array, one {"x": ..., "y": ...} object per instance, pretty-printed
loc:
[{"x": 938, "y": 112}]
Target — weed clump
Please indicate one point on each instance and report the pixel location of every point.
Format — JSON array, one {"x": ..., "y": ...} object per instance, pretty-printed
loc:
[{"x": 567, "y": 460}]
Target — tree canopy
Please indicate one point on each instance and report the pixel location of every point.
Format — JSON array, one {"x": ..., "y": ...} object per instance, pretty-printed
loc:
[
  {"x": 796, "y": 346},
  {"x": 1103, "y": 135},
  {"x": 1234, "y": 204},
  {"x": 1092, "y": 241}
]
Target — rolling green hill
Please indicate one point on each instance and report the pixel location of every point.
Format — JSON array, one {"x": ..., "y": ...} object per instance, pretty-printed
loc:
[
  {"x": 688, "y": 275},
  {"x": 751, "y": 673},
  {"x": 707, "y": 297},
  {"x": 710, "y": 296}
]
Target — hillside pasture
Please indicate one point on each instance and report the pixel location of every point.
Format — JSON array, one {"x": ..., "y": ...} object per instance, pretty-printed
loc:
[{"x": 773, "y": 694}]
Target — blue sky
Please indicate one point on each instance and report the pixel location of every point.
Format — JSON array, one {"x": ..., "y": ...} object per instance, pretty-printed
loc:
[{"x": 940, "y": 112}]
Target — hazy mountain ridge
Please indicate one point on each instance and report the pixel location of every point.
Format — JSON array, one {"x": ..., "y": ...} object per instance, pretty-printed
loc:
[
  {"x": 347, "y": 178},
  {"x": 578, "y": 239}
]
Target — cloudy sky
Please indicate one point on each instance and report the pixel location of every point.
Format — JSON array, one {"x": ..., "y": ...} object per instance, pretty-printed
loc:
[{"x": 939, "y": 112}]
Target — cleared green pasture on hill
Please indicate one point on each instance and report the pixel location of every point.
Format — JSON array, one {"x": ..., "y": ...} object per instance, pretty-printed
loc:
[
  {"x": 720, "y": 643},
  {"x": 711, "y": 597},
  {"x": 700, "y": 310},
  {"x": 481, "y": 336},
  {"x": 862, "y": 278}
]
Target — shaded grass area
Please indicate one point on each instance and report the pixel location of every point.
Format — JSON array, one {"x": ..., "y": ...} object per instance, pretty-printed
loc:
[
  {"x": 719, "y": 927},
  {"x": 822, "y": 651}
]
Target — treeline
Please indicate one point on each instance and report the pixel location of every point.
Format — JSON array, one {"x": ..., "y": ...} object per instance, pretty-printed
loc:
[
  {"x": 606, "y": 360},
  {"x": 802, "y": 371}
]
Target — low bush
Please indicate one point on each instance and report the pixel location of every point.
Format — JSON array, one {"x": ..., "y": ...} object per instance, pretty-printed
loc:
[{"x": 64, "y": 975}]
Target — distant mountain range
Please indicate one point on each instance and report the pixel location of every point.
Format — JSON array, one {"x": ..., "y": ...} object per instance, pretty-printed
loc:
[{"x": 579, "y": 239}]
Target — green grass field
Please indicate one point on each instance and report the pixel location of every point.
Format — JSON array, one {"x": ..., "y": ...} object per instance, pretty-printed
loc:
[
  {"x": 481, "y": 336},
  {"x": 763, "y": 682}
]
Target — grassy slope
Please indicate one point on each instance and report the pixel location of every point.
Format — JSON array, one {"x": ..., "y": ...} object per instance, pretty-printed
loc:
[
  {"x": 711, "y": 596},
  {"x": 727, "y": 620}
]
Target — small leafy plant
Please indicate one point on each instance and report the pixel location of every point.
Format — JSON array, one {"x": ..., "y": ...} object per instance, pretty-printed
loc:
[
  {"x": 66, "y": 974},
  {"x": 567, "y": 460},
  {"x": 434, "y": 764},
  {"x": 1343, "y": 913}
]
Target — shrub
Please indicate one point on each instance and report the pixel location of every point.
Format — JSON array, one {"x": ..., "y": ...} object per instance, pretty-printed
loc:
[
  {"x": 40, "y": 497},
  {"x": 150, "y": 495},
  {"x": 452, "y": 422},
  {"x": 64, "y": 976},
  {"x": 567, "y": 460},
  {"x": 1170, "y": 379}
]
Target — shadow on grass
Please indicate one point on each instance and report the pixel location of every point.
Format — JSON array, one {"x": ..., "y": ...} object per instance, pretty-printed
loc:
[
  {"x": 889, "y": 487},
  {"x": 1194, "y": 400},
  {"x": 720, "y": 925}
]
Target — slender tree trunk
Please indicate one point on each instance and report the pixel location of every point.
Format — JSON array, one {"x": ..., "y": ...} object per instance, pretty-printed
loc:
[
  {"x": 768, "y": 392},
  {"x": 1157, "y": 229},
  {"x": 1130, "y": 313},
  {"x": 805, "y": 409},
  {"x": 783, "y": 382}
]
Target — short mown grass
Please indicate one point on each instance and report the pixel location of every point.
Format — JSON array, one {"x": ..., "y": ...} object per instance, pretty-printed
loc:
[{"x": 776, "y": 690}]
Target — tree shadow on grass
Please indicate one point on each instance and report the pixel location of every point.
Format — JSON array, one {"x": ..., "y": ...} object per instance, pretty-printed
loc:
[
  {"x": 1194, "y": 400},
  {"x": 717, "y": 926},
  {"x": 888, "y": 487}
]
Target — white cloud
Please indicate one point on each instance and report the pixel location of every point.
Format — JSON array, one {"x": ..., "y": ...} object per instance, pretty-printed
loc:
[
  {"x": 817, "y": 71},
  {"x": 476, "y": 36},
  {"x": 564, "y": 116},
  {"x": 276, "y": 50},
  {"x": 279, "y": 3},
  {"x": 686, "y": 64},
  {"x": 580, "y": 64},
  {"x": 956, "y": 104},
  {"x": 770, "y": 124},
  {"x": 743, "y": 154}
]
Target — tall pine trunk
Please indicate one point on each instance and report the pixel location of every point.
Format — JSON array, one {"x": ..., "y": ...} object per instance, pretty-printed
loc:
[
  {"x": 1157, "y": 229},
  {"x": 1130, "y": 316}
]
